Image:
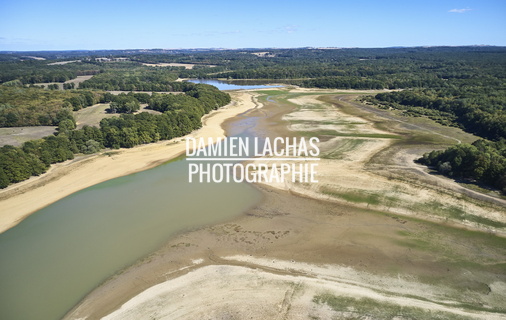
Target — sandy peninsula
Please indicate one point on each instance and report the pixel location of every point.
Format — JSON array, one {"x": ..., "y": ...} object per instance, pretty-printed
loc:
[{"x": 20, "y": 200}]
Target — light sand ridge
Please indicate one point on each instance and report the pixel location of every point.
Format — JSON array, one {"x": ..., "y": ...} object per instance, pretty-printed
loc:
[{"x": 289, "y": 292}]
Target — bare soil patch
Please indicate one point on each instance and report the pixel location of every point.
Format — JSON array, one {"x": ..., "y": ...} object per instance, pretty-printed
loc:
[
  {"x": 77, "y": 81},
  {"x": 16, "y": 136},
  {"x": 62, "y": 62},
  {"x": 174, "y": 64},
  {"x": 92, "y": 115},
  {"x": 116, "y": 92}
]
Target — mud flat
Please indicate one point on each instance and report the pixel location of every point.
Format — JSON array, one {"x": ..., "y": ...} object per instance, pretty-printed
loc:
[
  {"x": 299, "y": 258},
  {"x": 378, "y": 235}
]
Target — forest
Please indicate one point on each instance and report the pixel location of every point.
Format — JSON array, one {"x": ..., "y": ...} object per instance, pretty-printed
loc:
[
  {"x": 479, "y": 110},
  {"x": 139, "y": 79},
  {"x": 483, "y": 161},
  {"x": 128, "y": 130},
  {"x": 30, "y": 106},
  {"x": 37, "y": 71},
  {"x": 455, "y": 86}
]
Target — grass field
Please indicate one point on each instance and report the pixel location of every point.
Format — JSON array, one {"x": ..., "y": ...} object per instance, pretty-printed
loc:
[
  {"x": 18, "y": 135},
  {"x": 76, "y": 81},
  {"x": 91, "y": 116}
]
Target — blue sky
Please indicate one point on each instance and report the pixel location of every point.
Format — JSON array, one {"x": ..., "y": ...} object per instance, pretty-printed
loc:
[{"x": 137, "y": 24}]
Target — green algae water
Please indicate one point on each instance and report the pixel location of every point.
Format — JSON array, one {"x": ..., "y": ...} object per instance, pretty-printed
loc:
[
  {"x": 57, "y": 255},
  {"x": 54, "y": 257}
]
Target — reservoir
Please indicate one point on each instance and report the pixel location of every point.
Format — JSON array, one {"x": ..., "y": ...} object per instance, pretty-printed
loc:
[
  {"x": 54, "y": 257},
  {"x": 224, "y": 85}
]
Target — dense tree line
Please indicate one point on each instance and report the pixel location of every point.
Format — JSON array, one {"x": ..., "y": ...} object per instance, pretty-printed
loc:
[
  {"x": 338, "y": 68},
  {"x": 476, "y": 108},
  {"x": 142, "y": 79},
  {"x": 141, "y": 97},
  {"x": 483, "y": 161},
  {"x": 36, "y": 71},
  {"x": 33, "y": 106},
  {"x": 389, "y": 68},
  {"x": 479, "y": 110},
  {"x": 124, "y": 103},
  {"x": 458, "y": 86},
  {"x": 69, "y": 86},
  {"x": 126, "y": 131},
  {"x": 22, "y": 106},
  {"x": 87, "y": 54},
  {"x": 197, "y": 96},
  {"x": 33, "y": 159}
]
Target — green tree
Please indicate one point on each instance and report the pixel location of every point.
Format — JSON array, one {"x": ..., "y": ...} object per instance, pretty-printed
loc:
[
  {"x": 91, "y": 146},
  {"x": 4, "y": 180},
  {"x": 65, "y": 126}
]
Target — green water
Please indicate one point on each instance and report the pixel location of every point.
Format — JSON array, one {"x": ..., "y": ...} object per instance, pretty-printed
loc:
[{"x": 52, "y": 259}]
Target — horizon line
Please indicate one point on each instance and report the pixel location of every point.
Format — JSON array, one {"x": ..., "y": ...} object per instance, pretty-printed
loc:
[{"x": 255, "y": 48}]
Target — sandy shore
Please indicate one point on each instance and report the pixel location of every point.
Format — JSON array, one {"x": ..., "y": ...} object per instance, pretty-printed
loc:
[
  {"x": 20, "y": 200},
  {"x": 287, "y": 293},
  {"x": 274, "y": 261}
]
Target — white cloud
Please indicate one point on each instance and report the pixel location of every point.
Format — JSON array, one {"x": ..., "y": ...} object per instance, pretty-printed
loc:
[
  {"x": 459, "y": 10},
  {"x": 291, "y": 28}
]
